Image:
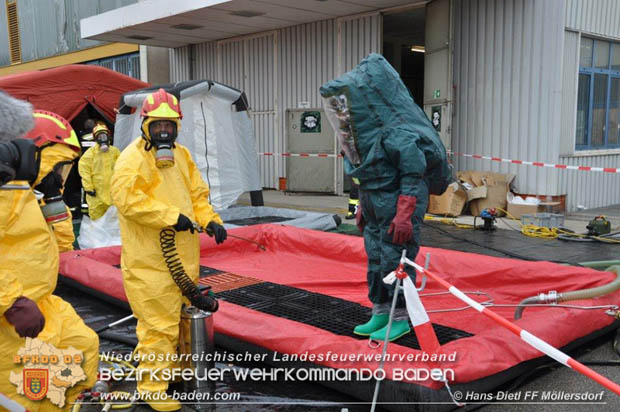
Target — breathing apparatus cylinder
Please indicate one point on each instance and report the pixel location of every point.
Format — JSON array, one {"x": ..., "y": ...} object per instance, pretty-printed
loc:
[
  {"x": 195, "y": 342},
  {"x": 54, "y": 210}
]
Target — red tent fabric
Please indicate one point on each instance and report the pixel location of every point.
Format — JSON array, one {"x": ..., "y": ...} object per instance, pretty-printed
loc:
[
  {"x": 67, "y": 90},
  {"x": 335, "y": 265}
]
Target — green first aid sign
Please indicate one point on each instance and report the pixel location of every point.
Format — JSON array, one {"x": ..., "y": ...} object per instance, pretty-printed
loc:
[{"x": 311, "y": 122}]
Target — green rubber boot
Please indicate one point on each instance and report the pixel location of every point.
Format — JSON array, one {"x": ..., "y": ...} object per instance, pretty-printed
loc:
[
  {"x": 399, "y": 328},
  {"x": 376, "y": 322}
]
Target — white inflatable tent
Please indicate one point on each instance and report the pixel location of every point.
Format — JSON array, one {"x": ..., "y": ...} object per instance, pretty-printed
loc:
[{"x": 217, "y": 130}]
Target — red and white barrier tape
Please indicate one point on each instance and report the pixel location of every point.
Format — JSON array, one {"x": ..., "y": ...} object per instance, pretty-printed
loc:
[
  {"x": 495, "y": 159},
  {"x": 540, "y": 164},
  {"x": 299, "y": 154},
  {"x": 527, "y": 337}
]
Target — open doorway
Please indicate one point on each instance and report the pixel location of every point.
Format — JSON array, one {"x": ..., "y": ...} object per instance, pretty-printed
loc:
[{"x": 403, "y": 47}]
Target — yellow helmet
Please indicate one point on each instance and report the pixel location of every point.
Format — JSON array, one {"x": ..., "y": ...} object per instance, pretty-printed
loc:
[{"x": 160, "y": 105}]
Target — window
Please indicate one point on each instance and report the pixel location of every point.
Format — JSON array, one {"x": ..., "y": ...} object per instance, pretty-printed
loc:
[
  {"x": 598, "y": 95},
  {"x": 128, "y": 64}
]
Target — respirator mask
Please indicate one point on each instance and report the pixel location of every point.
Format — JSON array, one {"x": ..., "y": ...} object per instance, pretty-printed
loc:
[
  {"x": 103, "y": 139},
  {"x": 19, "y": 160},
  {"x": 163, "y": 134}
]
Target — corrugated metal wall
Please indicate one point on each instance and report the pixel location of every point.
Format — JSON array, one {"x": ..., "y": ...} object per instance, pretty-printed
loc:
[
  {"x": 280, "y": 69},
  {"x": 205, "y": 61},
  {"x": 594, "y": 16},
  {"x": 5, "y": 54},
  {"x": 589, "y": 189},
  {"x": 507, "y": 56},
  {"x": 358, "y": 37},
  {"x": 569, "y": 92},
  {"x": 49, "y": 28},
  {"x": 180, "y": 69}
]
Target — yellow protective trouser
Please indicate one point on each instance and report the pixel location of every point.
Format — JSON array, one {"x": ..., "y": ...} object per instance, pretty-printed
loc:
[
  {"x": 63, "y": 329},
  {"x": 158, "y": 328},
  {"x": 64, "y": 233}
]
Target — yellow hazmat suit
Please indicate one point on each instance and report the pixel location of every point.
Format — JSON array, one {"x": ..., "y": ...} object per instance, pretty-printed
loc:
[
  {"x": 96, "y": 169},
  {"x": 29, "y": 262},
  {"x": 52, "y": 157},
  {"x": 149, "y": 199}
]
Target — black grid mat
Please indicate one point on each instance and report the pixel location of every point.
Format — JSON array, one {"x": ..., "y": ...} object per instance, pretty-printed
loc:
[{"x": 325, "y": 312}]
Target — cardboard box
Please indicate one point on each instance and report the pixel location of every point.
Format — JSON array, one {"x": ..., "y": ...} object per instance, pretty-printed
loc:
[
  {"x": 450, "y": 203},
  {"x": 516, "y": 210},
  {"x": 495, "y": 185}
]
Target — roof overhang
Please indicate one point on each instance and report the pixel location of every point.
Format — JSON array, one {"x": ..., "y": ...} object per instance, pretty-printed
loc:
[{"x": 178, "y": 23}]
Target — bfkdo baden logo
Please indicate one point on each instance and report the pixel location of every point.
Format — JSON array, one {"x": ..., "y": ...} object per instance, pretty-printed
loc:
[
  {"x": 47, "y": 372},
  {"x": 36, "y": 383}
]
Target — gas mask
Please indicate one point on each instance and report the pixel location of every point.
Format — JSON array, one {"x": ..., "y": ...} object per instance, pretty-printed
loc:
[
  {"x": 49, "y": 193},
  {"x": 163, "y": 134},
  {"x": 339, "y": 116},
  {"x": 19, "y": 160},
  {"x": 104, "y": 141}
]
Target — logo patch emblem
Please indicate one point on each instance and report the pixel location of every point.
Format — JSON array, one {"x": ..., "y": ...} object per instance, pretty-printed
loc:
[{"x": 35, "y": 383}]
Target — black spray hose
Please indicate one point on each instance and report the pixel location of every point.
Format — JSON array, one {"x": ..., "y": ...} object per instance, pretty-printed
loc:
[
  {"x": 554, "y": 297},
  {"x": 167, "y": 242}
]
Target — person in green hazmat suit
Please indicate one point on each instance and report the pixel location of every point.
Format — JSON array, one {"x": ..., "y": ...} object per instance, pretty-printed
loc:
[{"x": 393, "y": 150}]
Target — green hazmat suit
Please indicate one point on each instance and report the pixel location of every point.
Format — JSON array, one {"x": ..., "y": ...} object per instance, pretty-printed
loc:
[{"x": 394, "y": 151}]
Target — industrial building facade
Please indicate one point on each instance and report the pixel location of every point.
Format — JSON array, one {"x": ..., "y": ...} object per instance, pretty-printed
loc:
[
  {"x": 525, "y": 80},
  {"x": 45, "y": 34}
]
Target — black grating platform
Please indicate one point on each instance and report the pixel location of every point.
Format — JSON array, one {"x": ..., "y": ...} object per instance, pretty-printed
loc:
[
  {"x": 249, "y": 221},
  {"x": 325, "y": 312},
  {"x": 206, "y": 271}
]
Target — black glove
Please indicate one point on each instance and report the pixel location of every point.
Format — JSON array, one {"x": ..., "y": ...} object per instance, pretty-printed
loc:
[
  {"x": 214, "y": 229},
  {"x": 91, "y": 192},
  {"x": 183, "y": 223},
  {"x": 50, "y": 185},
  {"x": 206, "y": 303},
  {"x": 26, "y": 317}
]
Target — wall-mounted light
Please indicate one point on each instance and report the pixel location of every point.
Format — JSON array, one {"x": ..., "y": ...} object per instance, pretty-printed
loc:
[{"x": 418, "y": 49}]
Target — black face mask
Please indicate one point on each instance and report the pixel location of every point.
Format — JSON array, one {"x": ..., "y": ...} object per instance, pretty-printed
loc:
[
  {"x": 163, "y": 142},
  {"x": 19, "y": 160},
  {"x": 163, "y": 138},
  {"x": 104, "y": 141}
]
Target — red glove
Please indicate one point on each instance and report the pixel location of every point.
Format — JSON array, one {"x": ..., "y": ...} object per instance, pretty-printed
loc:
[
  {"x": 359, "y": 219},
  {"x": 401, "y": 227},
  {"x": 26, "y": 317}
]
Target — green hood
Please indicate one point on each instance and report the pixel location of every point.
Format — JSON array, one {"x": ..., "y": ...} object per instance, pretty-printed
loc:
[{"x": 384, "y": 118}]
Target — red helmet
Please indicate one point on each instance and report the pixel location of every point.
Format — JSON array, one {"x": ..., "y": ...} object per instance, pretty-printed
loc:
[
  {"x": 52, "y": 128},
  {"x": 160, "y": 105}
]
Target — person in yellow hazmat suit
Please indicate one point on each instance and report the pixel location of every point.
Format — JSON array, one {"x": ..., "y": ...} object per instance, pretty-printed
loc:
[
  {"x": 156, "y": 186},
  {"x": 59, "y": 148},
  {"x": 96, "y": 167},
  {"x": 29, "y": 262}
]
